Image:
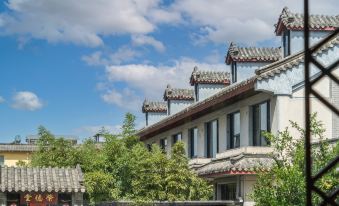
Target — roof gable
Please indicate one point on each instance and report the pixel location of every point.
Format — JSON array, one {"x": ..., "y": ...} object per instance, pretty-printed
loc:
[
  {"x": 178, "y": 94},
  {"x": 252, "y": 54},
  {"x": 209, "y": 77},
  {"x": 295, "y": 21},
  {"x": 152, "y": 106}
]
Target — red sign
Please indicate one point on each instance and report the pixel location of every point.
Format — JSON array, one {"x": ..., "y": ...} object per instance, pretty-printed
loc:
[{"x": 39, "y": 198}]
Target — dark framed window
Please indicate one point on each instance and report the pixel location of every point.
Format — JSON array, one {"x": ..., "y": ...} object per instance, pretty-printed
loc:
[
  {"x": 149, "y": 147},
  {"x": 234, "y": 71},
  {"x": 212, "y": 139},
  {"x": 176, "y": 138},
  {"x": 2, "y": 160},
  {"x": 228, "y": 191},
  {"x": 261, "y": 123},
  {"x": 65, "y": 199},
  {"x": 163, "y": 144},
  {"x": 287, "y": 43},
  {"x": 233, "y": 140},
  {"x": 13, "y": 199},
  {"x": 193, "y": 142}
]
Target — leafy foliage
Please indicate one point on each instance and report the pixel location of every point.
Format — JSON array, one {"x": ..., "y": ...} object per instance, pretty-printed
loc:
[
  {"x": 285, "y": 183},
  {"x": 122, "y": 168}
]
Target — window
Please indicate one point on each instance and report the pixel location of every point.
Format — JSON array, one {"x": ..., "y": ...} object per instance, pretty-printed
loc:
[
  {"x": 212, "y": 139},
  {"x": 149, "y": 147},
  {"x": 176, "y": 138},
  {"x": 234, "y": 71},
  {"x": 65, "y": 199},
  {"x": 286, "y": 43},
  {"x": 163, "y": 144},
  {"x": 228, "y": 191},
  {"x": 261, "y": 123},
  {"x": 193, "y": 142},
  {"x": 2, "y": 160},
  {"x": 234, "y": 130},
  {"x": 13, "y": 199}
]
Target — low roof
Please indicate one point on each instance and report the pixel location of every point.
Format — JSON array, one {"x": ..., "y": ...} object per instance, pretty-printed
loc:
[
  {"x": 22, "y": 179},
  {"x": 209, "y": 77},
  {"x": 244, "y": 163},
  {"x": 18, "y": 148},
  {"x": 252, "y": 54},
  {"x": 230, "y": 94},
  {"x": 178, "y": 94},
  {"x": 295, "y": 21},
  {"x": 153, "y": 106}
]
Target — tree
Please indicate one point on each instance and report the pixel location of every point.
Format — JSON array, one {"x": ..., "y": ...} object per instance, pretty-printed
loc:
[
  {"x": 284, "y": 183},
  {"x": 122, "y": 168}
]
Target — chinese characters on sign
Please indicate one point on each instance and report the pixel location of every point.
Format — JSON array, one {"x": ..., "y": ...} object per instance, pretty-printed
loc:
[{"x": 39, "y": 198}]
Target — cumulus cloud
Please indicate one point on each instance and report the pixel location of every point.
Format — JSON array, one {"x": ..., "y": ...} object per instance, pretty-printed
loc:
[
  {"x": 243, "y": 21},
  {"x": 141, "y": 40},
  {"x": 151, "y": 80},
  {"x": 126, "y": 98},
  {"x": 122, "y": 55},
  {"x": 81, "y": 23},
  {"x": 25, "y": 100}
]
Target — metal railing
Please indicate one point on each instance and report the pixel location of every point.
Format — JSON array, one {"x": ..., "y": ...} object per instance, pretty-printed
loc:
[{"x": 311, "y": 188}]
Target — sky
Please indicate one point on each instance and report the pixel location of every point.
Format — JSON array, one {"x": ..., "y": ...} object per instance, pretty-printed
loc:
[{"x": 77, "y": 66}]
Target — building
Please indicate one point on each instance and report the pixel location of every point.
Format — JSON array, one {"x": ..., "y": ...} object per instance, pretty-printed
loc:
[
  {"x": 221, "y": 121},
  {"x": 10, "y": 154},
  {"x": 41, "y": 186}
]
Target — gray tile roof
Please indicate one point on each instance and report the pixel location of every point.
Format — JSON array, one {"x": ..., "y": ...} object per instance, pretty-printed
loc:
[
  {"x": 252, "y": 54},
  {"x": 151, "y": 106},
  {"x": 209, "y": 77},
  {"x": 178, "y": 94},
  {"x": 18, "y": 148},
  {"x": 295, "y": 21},
  {"x": 15, "y": 179},
  {"x": 292, "y": 61},
  {"x": 240, "y": 163}
]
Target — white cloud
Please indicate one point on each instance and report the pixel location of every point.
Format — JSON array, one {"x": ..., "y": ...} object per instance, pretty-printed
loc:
[
  {"x": 141, "y": 40},
  {"x": 2, "y": 99},
  {"x": 81, "y": 23},
  {"x": 244, "y": 21},
  {"x": 151, "y": 80},
  {"x": 125, "y": 98},
  {"x": 122, "y": 55},
  {"x": 26, "y": 100}
]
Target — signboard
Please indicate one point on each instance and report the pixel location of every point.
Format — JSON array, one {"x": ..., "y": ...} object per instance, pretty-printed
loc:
[{"x": 39, "y": 198}]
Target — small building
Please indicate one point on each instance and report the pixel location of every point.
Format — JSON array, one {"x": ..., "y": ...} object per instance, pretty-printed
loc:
[
  {"x": 41, "y": 186},
  {"x": 10, "y": 154}
]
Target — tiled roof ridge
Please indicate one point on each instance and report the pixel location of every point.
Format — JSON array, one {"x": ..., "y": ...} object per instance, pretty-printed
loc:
[
  {"x": 178, "y": 93},
  {"x": 36, "y": 179},
  {"x": 154, "y": 106},
  {"x": 293, "y": 20},
  {"x": 293, "y": 60},
  {"x": 209, "y": 77},
  {"x": 196, "y": 104},
  {"x": 18, "y": 147},
  {"x": 252, "y": 53}
]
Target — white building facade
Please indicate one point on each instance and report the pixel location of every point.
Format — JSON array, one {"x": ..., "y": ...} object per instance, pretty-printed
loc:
[{"x": 222, "y": 127}]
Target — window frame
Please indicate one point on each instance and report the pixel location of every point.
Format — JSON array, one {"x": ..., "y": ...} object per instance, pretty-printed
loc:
[
  {"x": 209, "y": 140},
  {"x": 268, "y": 123},
  {"x": 223, "y": 195},
  {"x": 192, "y": 153},
  {"x": 163, "y": 144},
  {"x": 175, "y": 138},
  {"x": 230, "y": 136},
  {"x": 287, "y": 42}
]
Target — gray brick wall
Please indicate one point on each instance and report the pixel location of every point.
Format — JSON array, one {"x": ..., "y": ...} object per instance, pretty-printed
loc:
[{"x": 335, "y": 102}]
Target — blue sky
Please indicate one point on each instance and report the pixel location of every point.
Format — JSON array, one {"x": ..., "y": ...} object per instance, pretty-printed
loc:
[{"x": 75, "y": 66}]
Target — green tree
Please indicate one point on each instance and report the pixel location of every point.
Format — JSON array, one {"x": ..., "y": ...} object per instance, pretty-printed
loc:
[
  {"x": 122, "y": 168},
  {"x": 284, "y": 183}
]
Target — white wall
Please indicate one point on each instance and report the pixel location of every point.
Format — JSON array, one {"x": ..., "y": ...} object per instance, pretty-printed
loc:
[
  {"x": 247, "y": 69},
  {"x": 178, "y": 105},
  {"x": 154, "y": 117},
  {"x": 207, "y": 90},
  {"x": 297, "y": 39}
]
